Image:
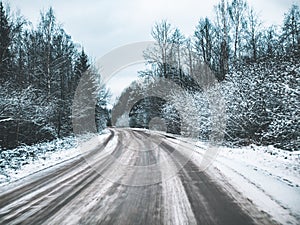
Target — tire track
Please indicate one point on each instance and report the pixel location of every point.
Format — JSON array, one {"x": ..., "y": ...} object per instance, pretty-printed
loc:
[{"x": 141, "y": 180}]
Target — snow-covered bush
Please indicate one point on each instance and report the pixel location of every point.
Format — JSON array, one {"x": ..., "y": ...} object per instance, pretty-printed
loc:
[
  {"x": 194, "y": 112},
  {"x": 25, "y": 116},
  {"x": 263, "y": 104},
  {"x": 18, "y": 157},
  {"x": 261, "y": 100}
]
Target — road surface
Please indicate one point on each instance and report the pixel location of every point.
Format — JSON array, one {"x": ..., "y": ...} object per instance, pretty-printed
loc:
[{"x": 133, "y": 177}]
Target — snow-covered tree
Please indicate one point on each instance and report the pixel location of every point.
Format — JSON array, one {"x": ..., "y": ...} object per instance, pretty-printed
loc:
[
  {"x": 291, "y": 29},
  {"x": 5, "y": 44},
  {"x": 24, "y": 116},
  {"x": 263, "y": 103}
]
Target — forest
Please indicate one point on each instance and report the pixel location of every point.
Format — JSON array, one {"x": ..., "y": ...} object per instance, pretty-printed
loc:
[
  {"x": 255, "y": 69},
  {"x": 235, "y": 77},
  {"x": 40, "y": 70}
]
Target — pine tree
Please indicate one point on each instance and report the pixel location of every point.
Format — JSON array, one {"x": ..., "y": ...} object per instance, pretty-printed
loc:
[
  {"x": 82, "y": 64},
  {"x": 5, "y": 42}
]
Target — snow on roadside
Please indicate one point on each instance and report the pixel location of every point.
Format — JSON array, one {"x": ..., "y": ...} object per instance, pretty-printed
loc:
[
  {"x": 267, "y": 176},
  {"x": 25, "y": 160},
  {"x": 280, "y": 164}
]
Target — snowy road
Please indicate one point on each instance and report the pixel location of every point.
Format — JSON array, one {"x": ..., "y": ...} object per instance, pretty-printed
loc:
[{"x": 133, "y": 177}]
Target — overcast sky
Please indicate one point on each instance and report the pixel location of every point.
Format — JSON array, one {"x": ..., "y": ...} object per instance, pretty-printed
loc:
[{"x": 102, "y": 25}]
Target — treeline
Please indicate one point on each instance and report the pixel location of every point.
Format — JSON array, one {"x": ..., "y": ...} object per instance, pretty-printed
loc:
[
  {"x": 40, "y": 68},
  {"x": 235, "y": 34},
  {"x": 256, "y": 67}
]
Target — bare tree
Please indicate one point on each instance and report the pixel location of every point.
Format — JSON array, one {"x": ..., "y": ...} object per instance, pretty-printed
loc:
[
  {"x": 253, "y": 33},
  {"x": 189, "y": 56},
  {"x": 177, "y": 41},
  {"x": 223, "y": 29},
  {"x": 237, "y": 12},
  {"x": 204, "y": 37},
  {"x": 291, "y": 28},
  {"x": 48, "y": 30},
  {"x": 271, "y": 42},
  {"x": 158, "y": 56}
]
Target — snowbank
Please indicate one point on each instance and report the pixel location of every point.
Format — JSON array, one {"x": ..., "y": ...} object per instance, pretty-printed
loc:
[
  {"x": 25, "y": 160},
  {"x": 268, "y": 177}
]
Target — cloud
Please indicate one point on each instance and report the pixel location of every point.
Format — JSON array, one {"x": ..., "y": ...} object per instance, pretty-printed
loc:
[{"x": 105, "y": 24}]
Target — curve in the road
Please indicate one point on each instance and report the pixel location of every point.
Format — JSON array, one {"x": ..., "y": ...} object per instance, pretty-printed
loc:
[{"x": 128, "y": 183}]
